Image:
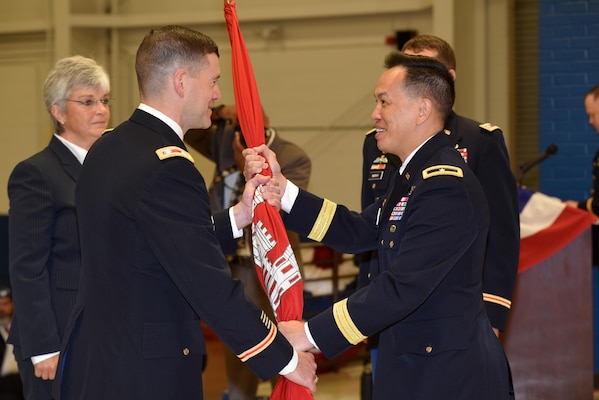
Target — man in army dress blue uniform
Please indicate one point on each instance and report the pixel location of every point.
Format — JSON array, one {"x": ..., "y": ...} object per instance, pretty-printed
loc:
[
  {"x": 152, "y": 258},
  {"x": 482, "y": 146},
  {"x": 425, "y": 300}
]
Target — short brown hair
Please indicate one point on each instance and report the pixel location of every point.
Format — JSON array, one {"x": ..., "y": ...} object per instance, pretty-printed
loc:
[
  {"x": 445, "y": 52},
  {"x": 167, "y": 49}
]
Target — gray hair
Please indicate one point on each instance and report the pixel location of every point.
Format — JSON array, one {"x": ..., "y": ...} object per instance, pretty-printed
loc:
[{"x": 68, "y": 74}]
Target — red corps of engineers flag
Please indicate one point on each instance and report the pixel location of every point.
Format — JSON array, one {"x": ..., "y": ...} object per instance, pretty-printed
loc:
[{"x": 275, "y": 262}]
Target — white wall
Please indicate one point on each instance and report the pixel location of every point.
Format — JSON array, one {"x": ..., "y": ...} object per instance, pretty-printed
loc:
[{"x": 316, "y": 64}]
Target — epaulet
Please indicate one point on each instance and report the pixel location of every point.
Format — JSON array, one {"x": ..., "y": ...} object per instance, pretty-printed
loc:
[
  {"x": 370, "y": 132},
  {"x": 489, "y": 126},
  {"x": 172, "y": 151},
  {"x": 107, "y": 130},
  {"x": 440, "y": 170}
]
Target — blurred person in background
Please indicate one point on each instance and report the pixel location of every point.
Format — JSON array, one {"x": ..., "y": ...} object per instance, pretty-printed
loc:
[
  {"x": 11, "y": 387},
  {"x": 591, "y": 204},
  {"x": 223, "y": 143}
]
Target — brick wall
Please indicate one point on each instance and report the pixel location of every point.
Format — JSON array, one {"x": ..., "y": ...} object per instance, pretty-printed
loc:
[{"x": 568, "y": 68}]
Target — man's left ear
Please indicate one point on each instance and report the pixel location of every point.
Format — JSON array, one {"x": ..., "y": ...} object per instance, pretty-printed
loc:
[{"x": 178, "y": 78}]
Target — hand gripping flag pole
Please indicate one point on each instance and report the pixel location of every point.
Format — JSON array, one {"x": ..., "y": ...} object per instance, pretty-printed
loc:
[{"x": 274, "y": 259}]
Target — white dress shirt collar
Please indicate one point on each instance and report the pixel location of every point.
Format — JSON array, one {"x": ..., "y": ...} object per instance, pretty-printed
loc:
[
  {"x": 78, "y": 152},
  {"x": 172, "y": 124},
  {"x": 405, "y": 162}
]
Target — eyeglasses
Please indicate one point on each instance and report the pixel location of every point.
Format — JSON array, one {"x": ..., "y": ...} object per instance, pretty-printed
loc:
[{"x": 92, "y": 102}]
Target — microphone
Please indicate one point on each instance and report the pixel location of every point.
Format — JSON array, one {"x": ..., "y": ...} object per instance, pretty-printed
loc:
[{"x": 524, "y": 168}]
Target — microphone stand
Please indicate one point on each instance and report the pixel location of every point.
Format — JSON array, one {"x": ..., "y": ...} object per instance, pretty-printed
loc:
[{"x": 524, "y": 168}]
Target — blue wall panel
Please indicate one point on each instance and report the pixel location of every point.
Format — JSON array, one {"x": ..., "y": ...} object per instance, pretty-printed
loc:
[{"x": 568, "y": 68}]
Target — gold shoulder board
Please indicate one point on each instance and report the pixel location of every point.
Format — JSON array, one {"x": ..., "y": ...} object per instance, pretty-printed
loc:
[
  {"x": 438, "y": 170},
  {"x": 489, "y": 126},
  {"x": 173, "y": 151},
  {"x": 373, "y": 130}
]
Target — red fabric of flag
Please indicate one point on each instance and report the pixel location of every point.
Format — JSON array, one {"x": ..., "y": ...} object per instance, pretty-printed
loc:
[{"x": 275, "y": 262}]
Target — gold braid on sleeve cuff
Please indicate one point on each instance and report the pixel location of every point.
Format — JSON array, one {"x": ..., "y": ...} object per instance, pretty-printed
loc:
[
  {"x": 590, "y": 204},
  {"x": 345, "y": 324},
  {"x": 502, "y": 301},
  {"x": 260, "y": 347},
  {"x": 323, "y": 221}
]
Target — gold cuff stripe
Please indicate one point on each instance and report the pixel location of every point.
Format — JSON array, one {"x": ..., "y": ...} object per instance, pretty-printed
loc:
[
  {"x": 173, "y": 151},
  {"x": 260, "y": 347},
  {"x": 437, "y": 170},
  {"x": 323, "y": 221},
  {"x": 345, "y": 324},
  {"x": 589, "y": 205},
  {"x": 502, "y": 301}
]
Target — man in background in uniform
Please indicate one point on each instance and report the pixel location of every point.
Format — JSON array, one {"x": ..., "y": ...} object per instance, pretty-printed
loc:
[
  {"x": 591, "y": 204},
  {"x": 222, "y": 144}
]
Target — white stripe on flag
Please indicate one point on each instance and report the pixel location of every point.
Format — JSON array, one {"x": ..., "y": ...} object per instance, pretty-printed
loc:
[{"x": 539, "y": 213}]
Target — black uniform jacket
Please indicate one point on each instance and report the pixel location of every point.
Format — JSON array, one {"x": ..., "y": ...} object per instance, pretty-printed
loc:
[
  {"x": 483, "y": 148},
  {"x": 426, "y": 300},
  {"x": 152, "y": 266}
]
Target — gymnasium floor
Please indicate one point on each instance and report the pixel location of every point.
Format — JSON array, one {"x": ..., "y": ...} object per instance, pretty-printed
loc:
[{"x": 343, "y": 384}]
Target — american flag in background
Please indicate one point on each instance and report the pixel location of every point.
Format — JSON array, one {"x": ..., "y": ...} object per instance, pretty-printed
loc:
[{"x": 547, "y": 225}]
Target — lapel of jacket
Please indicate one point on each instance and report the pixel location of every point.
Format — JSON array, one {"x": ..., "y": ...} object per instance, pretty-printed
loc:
[
  {"x": 151, "y": 122},
  {"x": 405, "y": 183},
  {"x": 67, "y": 159}
]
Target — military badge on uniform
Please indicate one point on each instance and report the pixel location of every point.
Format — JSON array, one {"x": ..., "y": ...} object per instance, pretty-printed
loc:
[
  {"x": 442, "y": 170},
  {"x": 489, "y": 126},
  {"x": 464, "y": 153},
  {"x": 164, "y": 153},
  {"x": 377, "y": 168},
  {"x": 398, "y": 209}
]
